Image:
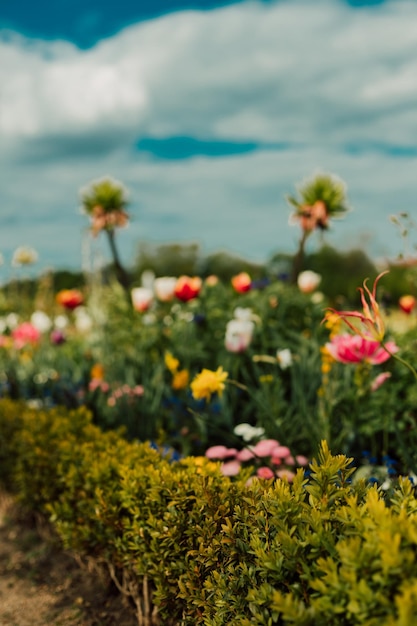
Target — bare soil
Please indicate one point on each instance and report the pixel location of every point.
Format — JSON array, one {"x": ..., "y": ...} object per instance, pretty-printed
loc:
[{"x": 42, "y": 585}]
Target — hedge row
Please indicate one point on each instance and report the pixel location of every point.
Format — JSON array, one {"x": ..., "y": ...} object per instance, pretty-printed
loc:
[{"x": 190, "y": 546}]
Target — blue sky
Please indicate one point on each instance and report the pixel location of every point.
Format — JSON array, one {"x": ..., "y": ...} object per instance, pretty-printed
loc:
[{"x": 209, "y": 113}]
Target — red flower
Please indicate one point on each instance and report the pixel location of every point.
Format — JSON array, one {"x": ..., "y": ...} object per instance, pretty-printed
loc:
[
  {"x": 187, "y": 288},
  {"x": 70, "y": 298},
  {"x": 241, "y": 282}
]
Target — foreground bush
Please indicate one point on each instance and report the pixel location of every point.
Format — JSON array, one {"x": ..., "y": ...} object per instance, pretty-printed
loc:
[{"x": 189, "y": 546}]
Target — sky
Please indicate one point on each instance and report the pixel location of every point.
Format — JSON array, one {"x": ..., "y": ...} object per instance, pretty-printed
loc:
[{"x": 210, "y": 114}]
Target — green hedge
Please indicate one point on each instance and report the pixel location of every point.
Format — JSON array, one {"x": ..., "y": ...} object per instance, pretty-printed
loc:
[{"x": 190, "y": 546}]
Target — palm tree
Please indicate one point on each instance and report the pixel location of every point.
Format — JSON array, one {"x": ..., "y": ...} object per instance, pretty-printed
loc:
[
  {"x": 321, "y": 199},
  {"x": 104, "y": 201}
]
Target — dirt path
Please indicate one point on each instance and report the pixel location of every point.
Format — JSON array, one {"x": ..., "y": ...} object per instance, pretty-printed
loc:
[{"x": 40, "y": 585}]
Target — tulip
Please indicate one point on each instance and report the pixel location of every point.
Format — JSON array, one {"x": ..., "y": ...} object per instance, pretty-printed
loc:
[
  {"x": 308, "y": 281},
  {"x": 141, "y": 298},
  {"x": 70, "y": 298},
  {"x": 187, "y": 288},
  {"x": 211, "y": 280},
  {"x": 241, "y": 282},
  {"x": 239, "y": 333},
  {"x": 164, "y": 288},
  {"x": 407, "y": 304}
]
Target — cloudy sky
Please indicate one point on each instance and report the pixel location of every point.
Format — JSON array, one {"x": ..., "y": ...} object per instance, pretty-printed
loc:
[{"x": 210, "y": 113}]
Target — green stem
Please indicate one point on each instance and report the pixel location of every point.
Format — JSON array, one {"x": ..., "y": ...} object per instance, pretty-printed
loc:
[
  {"x": 299, "y": 257},
  {"x": 121, "y": 274},
  {"x": 400, "y": 360}
]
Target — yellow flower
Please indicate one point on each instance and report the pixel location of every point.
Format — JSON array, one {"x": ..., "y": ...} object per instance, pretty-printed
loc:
[
  {"x": 333, "y": 322},
  {"x": 180, "y": 379},
  {"x": 171, "y": 362},
  {"x": 208, "y": 382}
]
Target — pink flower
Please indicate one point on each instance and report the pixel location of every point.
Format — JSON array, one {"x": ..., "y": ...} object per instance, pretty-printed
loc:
[
  {"x": 379, "y": 380},
  {"x": 286, "y": 474},
  {"x": 280, "y": 452},
  {"x": 24, "y": 334},
  {"x": 265, "y": 447},
  {"x": 265, "y": 472},
  {"x": 230, "y": 468},
  {"x": 356, "y": 349},
  {"x": 220, "y": 452},
  {"x": 245, "y": 455},
  {"x": 301, "y": 460}
]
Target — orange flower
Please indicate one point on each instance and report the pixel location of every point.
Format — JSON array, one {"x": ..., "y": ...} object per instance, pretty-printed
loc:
[
  {"x": 407, "y": 304},
  {"x": 180, "y": 379},
  {"x": 241, "y": 282},
  {"x": 97, "y": 372},
  {"x": 70, "y": 298}
]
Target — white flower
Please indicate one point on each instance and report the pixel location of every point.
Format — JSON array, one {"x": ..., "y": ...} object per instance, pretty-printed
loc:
[
  {"x": 317, "y": 298},
  {"x": 164, "y": 287},
  {"x": 243, "y": 314},
  {"x": 284, "y": 358},
  {"x": 24, "y": 255},
  {"x": 12, "y": 320},
  {"x": 248, "y": 432},
  {"x": 147, "y": 279},
  {"x": 61, "y": 322},
  {"x": 239, "y": 333},
  {"x": 41, "y": 321},
  {"x": 308, "y": 281},
  {"x": 83, "y": 321},
  {"x": 141, "y": 298}
]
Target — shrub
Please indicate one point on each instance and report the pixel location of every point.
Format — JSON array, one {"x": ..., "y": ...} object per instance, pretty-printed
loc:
[{"x": 192, "y": 547}]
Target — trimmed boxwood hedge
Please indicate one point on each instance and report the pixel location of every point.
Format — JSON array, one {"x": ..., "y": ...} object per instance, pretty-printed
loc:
[{"x": 190, "y": 546}]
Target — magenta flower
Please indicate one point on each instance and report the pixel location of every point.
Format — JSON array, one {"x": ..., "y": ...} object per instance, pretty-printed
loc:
[{"x": 357, "y": 349}]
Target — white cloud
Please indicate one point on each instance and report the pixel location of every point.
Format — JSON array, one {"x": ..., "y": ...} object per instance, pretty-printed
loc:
[{"x": 321, "y": 76}]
